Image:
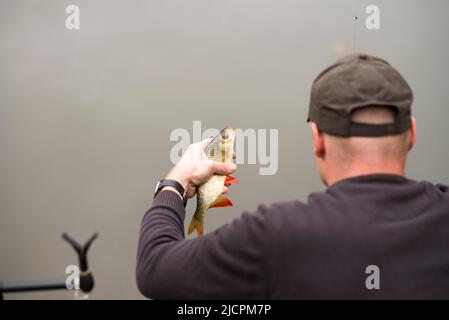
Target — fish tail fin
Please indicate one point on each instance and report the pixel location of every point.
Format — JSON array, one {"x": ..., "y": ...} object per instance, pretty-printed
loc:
[{"x": 197, "y": 224}]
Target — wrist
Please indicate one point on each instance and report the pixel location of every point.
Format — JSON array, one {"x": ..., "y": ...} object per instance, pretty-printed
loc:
[
  {"x": 172, "y": 185},
  {"x": 174, "y": 190},
  {"x": 181, "y": 178}
]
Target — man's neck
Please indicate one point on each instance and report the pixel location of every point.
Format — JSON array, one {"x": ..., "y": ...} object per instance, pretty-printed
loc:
[{"x": 363, "y": 169}]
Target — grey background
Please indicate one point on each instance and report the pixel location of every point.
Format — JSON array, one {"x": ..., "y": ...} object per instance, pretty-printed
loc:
[{"x": 85, "y": 116}]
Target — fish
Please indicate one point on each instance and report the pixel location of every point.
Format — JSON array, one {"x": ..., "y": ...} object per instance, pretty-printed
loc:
[{"x": 210, "y": 193}]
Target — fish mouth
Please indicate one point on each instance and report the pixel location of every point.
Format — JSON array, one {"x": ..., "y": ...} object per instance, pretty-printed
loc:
[{"x": 228, "y": 133}]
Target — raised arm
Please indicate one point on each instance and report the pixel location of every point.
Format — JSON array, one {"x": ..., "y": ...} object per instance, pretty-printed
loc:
[{"x": 227, "y": 263}]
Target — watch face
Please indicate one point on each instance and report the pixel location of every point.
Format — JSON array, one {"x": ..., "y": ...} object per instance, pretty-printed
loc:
[{"x": 157, "y": 186}]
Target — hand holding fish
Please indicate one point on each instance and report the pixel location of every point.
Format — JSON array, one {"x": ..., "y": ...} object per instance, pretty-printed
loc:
[
  {"x": 194, "y": 168},
  {"x": 207, "y": 166}
]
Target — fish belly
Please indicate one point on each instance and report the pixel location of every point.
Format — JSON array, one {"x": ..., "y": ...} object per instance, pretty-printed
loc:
[
  {"x": 210, "y": 191},
  {"x": 207, "y": 194}
]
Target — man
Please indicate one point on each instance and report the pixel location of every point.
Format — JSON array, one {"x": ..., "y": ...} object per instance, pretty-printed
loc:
[{"x": 372, "y": 234}]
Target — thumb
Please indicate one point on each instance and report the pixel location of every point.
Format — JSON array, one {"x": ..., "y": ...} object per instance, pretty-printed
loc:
[
  {"x": 205, "y": 142},
  {"x": 222, "y": 168}
]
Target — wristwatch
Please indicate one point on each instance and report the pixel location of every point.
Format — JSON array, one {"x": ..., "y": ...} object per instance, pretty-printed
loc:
[{"x": 174, "y": 184}]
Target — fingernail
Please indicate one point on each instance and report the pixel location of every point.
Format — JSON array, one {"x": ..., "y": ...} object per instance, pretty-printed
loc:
[{"x": 232, "y": 166}]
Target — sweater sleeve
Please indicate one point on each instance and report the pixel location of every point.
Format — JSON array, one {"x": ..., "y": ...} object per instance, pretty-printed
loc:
[{"x": 226, "y": 263}]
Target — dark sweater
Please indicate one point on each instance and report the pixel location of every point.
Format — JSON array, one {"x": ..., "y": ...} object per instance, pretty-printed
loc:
[{"x": 293, "y": 250}]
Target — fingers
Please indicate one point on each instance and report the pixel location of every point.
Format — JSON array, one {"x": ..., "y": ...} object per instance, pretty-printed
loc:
[
  {"x": 196, "y": 150},
  {"x": 222, "y": 168},
  {"x": 225, "y": 190},
  {"x": 191, "y": 190}
]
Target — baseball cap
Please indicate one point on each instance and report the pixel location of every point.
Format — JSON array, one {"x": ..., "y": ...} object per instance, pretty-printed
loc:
[{"x": 357, "y": 81}]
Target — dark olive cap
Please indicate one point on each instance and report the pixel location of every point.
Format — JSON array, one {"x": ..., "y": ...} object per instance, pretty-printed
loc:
[{"x": 358, "y": 81}]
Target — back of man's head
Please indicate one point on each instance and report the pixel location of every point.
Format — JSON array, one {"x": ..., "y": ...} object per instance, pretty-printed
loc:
[
  {"x": 374, "y": 151},
  {"x": 360, "y": 114}
]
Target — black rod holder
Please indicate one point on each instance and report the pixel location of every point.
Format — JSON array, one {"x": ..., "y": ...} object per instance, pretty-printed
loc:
[
  {"x": 86, "y": 278},
  {"x": 32, "y": 286}
]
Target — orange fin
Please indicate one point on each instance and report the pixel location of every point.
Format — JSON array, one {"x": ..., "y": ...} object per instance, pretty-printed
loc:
[
  {"x": 222, "y": 201},
  {"x": 197, "y": 225},
  {"x": 230, "y": 180}
]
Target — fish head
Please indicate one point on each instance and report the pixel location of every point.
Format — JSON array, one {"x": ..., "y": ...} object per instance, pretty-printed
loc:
[
  {"x": 221, "y": 147},
  {"x": 228, "y": 137},
  {"x": 226, "y": 144}
]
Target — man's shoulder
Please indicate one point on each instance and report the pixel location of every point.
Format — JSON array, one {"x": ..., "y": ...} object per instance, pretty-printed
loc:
[
  {"x": 294, "y": 207},
  {"x": 285, "y": 214},
  {"x": 282, "y": 208},
  {"x": 296, "y": 216}
]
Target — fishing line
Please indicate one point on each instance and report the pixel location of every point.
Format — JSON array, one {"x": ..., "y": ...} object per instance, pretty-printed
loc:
[
  {"x": 217, "y": 135},
  {"x": 207, "y": 147},
  {"x": 355, "y": 35}
]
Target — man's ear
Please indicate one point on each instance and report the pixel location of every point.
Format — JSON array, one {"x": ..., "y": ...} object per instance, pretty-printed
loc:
[
  {"x": 412, "y": 133},
  {"x": 318, "y": 140}
]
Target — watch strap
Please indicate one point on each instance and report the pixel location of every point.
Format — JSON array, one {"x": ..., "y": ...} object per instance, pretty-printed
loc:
[{"x": 174, "y": 184}]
